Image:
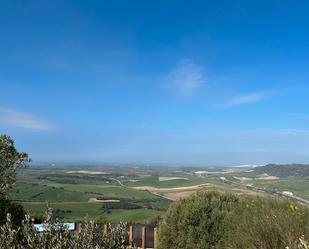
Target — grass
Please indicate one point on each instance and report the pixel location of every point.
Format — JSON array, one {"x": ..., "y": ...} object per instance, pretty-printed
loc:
[
  {"x": 110, "y": 191},
  {"x": 70, "y": 200},
  {"x": 80, "y": 210},
  {"x": 297, "y": 185},
  {"x": 33, "y": 192},
  {"x": 153, "y": 181},
  {"x": 134, "y": 216}
]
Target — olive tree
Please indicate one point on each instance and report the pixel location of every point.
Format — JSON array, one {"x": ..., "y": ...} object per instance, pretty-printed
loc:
[
  {"x": 57, "y": 236},
  {"x": 10, "y": 161}
]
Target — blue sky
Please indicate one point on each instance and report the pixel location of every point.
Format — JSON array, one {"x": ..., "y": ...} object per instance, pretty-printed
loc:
[{"x": 167, "y": 82}]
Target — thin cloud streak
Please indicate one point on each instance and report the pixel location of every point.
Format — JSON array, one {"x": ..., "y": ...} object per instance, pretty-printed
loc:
[
  {"x": 186, "y": 78},
  {"x": 25, "y": 120},
  {"x": 246, "y": 99}
]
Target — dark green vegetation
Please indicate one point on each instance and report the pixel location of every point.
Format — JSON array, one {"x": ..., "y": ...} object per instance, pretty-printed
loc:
[
  {"x": 284, "y": 170},
  {"x": 16, "y": 210},
  {"x": 212, "y": 220}
]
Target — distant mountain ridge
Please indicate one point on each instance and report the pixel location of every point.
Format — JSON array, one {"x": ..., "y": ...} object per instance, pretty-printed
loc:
[{"x": 284, "y": 170}]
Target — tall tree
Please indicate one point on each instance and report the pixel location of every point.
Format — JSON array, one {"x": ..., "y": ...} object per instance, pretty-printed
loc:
[{"x": 10, "y": 161}]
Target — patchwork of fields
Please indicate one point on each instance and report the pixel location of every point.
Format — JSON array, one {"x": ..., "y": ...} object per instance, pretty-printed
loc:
[{"x": 132, "y": 194}]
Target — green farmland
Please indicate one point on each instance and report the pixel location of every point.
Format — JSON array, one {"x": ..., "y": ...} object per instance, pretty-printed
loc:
[{"x": 132, "y": 194}]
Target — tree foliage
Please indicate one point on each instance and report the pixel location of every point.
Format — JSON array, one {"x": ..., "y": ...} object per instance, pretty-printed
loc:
[{"x": 10, "y": 161}]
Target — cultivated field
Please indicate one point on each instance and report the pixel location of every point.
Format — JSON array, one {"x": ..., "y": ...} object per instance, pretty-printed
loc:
[{"x": 132, "y": 193}]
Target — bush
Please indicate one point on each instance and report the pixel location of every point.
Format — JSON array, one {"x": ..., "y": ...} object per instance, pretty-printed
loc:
[
  {"x": 262, "y": 223},
  {"x": 56, "y": 237},
  {"x": 212, "y": 220},
  {"x": 16, "y": 210},
  {"x": 197, "y": 221}
]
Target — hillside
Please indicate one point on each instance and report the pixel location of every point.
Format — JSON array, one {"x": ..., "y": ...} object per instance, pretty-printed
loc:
[{"x": 284, "y": 170}]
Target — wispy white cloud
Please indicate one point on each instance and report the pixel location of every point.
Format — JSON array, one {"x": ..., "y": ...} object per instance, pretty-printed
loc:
[
  {"x": 246, "y": 99},
  {"x": 186, "y": 78},
  {"x": 294, "y": 132},
  {"x": 18, "y": 119}
]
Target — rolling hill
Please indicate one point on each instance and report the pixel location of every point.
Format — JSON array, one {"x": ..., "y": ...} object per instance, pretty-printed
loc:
[{"x": 284, "y": 170}]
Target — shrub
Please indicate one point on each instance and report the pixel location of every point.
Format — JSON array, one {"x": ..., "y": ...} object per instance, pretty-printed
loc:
[
  {"x": 56, "y": 237},
  {"x": 211, "y": 220},
  {"x": 16, "y": 210},
  {"x": 197, "y": 221},
  {"x": 267, "y": 223}
]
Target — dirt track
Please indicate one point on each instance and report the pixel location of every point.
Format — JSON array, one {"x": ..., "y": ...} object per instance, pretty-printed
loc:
[
  {"x": 177, "y": 195},
  {"x": 177, "y": 189}
]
